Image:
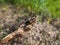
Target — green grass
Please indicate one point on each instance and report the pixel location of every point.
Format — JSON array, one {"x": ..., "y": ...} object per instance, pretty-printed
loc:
[
  {"x": 53, "y": 6},
  {"x": 0, "y": 28},
  {"x": 2, "y": 36},
  {"x": 33, "y": 5},
  {"x": 2, "y": 2}
]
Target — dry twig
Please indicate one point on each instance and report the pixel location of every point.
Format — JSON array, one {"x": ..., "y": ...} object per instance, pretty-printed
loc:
[{"x": 11, "y": 35}]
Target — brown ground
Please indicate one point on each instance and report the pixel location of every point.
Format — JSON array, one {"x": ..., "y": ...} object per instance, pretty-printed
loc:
[{"x": 42, "y": 33}]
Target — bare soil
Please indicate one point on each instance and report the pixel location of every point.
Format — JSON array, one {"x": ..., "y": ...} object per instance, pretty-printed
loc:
[{"x": 41, "y": 33}]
